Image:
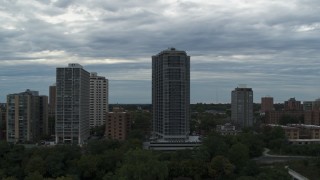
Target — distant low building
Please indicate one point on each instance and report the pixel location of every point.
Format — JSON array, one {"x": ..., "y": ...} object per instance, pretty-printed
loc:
[
  {"x": 118, "y": 124},
  {"x": 274, "y": 117},
  {"x": 301, "y": 133},
  {"x": 292, "y": 109},
  {"x": 227, "y": 129},
  {"x": 164, "y": 145}
]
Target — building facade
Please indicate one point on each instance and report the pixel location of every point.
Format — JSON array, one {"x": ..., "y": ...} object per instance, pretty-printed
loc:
[
  {"x": 301, "y": 133},
  {"x": 307, "y": 105},
  {"x": 242, "y": 106},
  {"x": 3, "y": 128},
  {"x": 118, "y": 124},
  {"x": 275, "y": 117},
  {"x": 171, "y": 95},
  {"x": 52, "y": 109},
  {"x": 27, "y": 117},
  {"x": 98, "y": 99},
  {"x": 293, "y": 105},
  {"x": 312, "y": 117},
  {"x": 72, "y": 105}
]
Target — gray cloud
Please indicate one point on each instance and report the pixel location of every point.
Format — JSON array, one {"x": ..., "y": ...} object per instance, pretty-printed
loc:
[{"x": 270, "y": 45}]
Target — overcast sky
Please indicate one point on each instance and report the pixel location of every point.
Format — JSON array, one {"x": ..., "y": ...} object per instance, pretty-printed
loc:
[{"x": 270, "y": 45}]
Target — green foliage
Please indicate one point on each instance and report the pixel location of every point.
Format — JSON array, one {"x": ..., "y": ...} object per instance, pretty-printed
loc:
[
  {"x": 304, "y": 150},
  {"x": 34, "y": 176},
  {"x": 287, "y": 119},
  {"x": 35, "y": 165},
  {"x": 276, "y": 172},
  {"x": 87, "y": 166},
  {"x": 201, "y": 107},
  {"x": 251, "y": 168},
  {"x": 215, "y": 145},
  {"x": 220, "y": 157},
  {"x": 220, "y": 167},
  {"x": 254, "y": 143},
  {"x": 99, "y": 146},
  {"x": 309, "y": 168},
  {"x": 188, "y": 168},
  {"x": 274, "y": 137},
  {"x": 142, "y": 164},
  {"x": 98, "y": 131},
  {"x": 140, "y": 128},
  {"x": 239, "y": 154}
]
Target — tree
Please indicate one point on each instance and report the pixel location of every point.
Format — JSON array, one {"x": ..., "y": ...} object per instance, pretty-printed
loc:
[
  {"x": 141, "y": 125},
  {"x": 34, "y": 176},
  {"x": 239, "y": 155},
  {"x": 142, "y": 164},
  {"x": 98, "y": 131},
  {"x": 88, "y": 166},
  {"x": 220, "y": 167},
  {"x": 215, "y": 145},
  {"x": 254, "y": 143},
  {"x": 35, "y": 165},
  {"x": 99, "y": 146},
  {"x": 277, "y": 172}
]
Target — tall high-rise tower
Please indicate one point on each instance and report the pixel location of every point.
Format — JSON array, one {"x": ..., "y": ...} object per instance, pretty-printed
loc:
[
  {"x": 242, "y": 106},
  {"x": 98, "y": 99},
  {"x": 171, "y": 94},
  {"x": 72, "y": 105}
]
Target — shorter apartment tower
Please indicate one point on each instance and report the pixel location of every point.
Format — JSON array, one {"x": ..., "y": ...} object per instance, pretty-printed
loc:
[
  {"x": 266, "y": 104},
  {"x": 27, "y": 116},
  {"x": 98, "y": 99},
  {"x": 242, "y": 106},
  {"x": 118, "y": 123}
]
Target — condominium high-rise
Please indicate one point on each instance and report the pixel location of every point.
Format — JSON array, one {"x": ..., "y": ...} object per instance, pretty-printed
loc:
[
  {"x": 98, "y": 99},
  {"x": 72, "y": 105},
  {"x": 171, "y": 95},
  {"x": 242, "y": 106},
  {"x": 27, "y": 115}
]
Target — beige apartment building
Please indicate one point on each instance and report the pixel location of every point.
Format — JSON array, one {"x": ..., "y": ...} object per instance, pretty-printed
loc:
[
  {"x": 27, "y": 117},
  {"x": 98, "y": 99}
]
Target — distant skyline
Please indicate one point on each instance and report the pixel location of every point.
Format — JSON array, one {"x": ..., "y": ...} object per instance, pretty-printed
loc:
[{"x": 272, "y": 46}]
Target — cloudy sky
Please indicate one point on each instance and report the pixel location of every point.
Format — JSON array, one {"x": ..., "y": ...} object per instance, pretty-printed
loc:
[{"x": 270, "y": 45}]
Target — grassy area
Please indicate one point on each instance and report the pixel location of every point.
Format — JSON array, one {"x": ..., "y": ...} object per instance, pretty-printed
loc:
[{"x": 307, "y": 168}]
